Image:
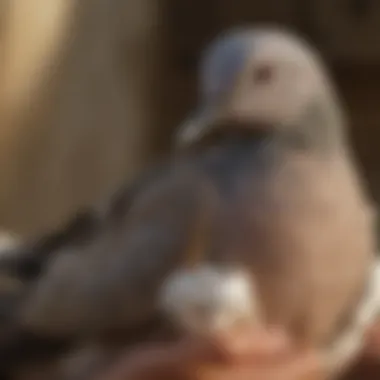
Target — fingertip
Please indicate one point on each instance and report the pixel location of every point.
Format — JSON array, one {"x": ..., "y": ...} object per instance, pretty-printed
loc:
[{"x": 261, "y": 342}]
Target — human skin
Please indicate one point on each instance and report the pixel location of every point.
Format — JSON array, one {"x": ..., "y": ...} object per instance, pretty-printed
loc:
[{"x": 261, "y": 355}]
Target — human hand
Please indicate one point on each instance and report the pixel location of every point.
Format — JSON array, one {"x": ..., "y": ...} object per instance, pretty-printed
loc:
[{"x": 253, "y": 355}]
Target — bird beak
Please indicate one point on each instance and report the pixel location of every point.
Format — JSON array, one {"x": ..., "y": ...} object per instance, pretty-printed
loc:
[{"x": 195, "y": 128}]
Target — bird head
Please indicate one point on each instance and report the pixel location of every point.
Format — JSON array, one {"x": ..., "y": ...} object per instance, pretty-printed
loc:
[{"x": 260, "y": 78}]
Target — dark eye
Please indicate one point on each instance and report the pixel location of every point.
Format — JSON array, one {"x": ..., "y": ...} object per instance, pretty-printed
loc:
[{"x": 263, "y": 74}]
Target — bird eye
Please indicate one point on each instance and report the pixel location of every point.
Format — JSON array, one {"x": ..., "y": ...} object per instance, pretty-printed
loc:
[{"x": 263, "y": 74}]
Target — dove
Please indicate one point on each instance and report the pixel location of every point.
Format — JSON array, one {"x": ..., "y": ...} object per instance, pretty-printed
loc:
[
  {"x": 260, "y": 215},
  {"x": 306, "y": 190}
]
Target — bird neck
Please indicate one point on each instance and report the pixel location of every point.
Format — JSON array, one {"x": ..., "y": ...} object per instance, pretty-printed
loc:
[{"x": 319, "y": 129}]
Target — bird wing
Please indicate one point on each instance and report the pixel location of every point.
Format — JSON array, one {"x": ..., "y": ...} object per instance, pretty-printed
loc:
[{"x": 114, "y": 284}]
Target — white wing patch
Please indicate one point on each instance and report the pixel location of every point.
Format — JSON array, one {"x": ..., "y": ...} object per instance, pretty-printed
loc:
[{"x": 207, "y": 298}]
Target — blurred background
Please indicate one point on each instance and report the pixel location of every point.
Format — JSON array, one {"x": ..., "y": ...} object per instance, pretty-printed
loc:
[{"x": 92, "y": 90}]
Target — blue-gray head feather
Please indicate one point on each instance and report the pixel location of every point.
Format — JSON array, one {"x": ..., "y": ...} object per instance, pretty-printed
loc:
[{"x": 222, "y": 63}]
